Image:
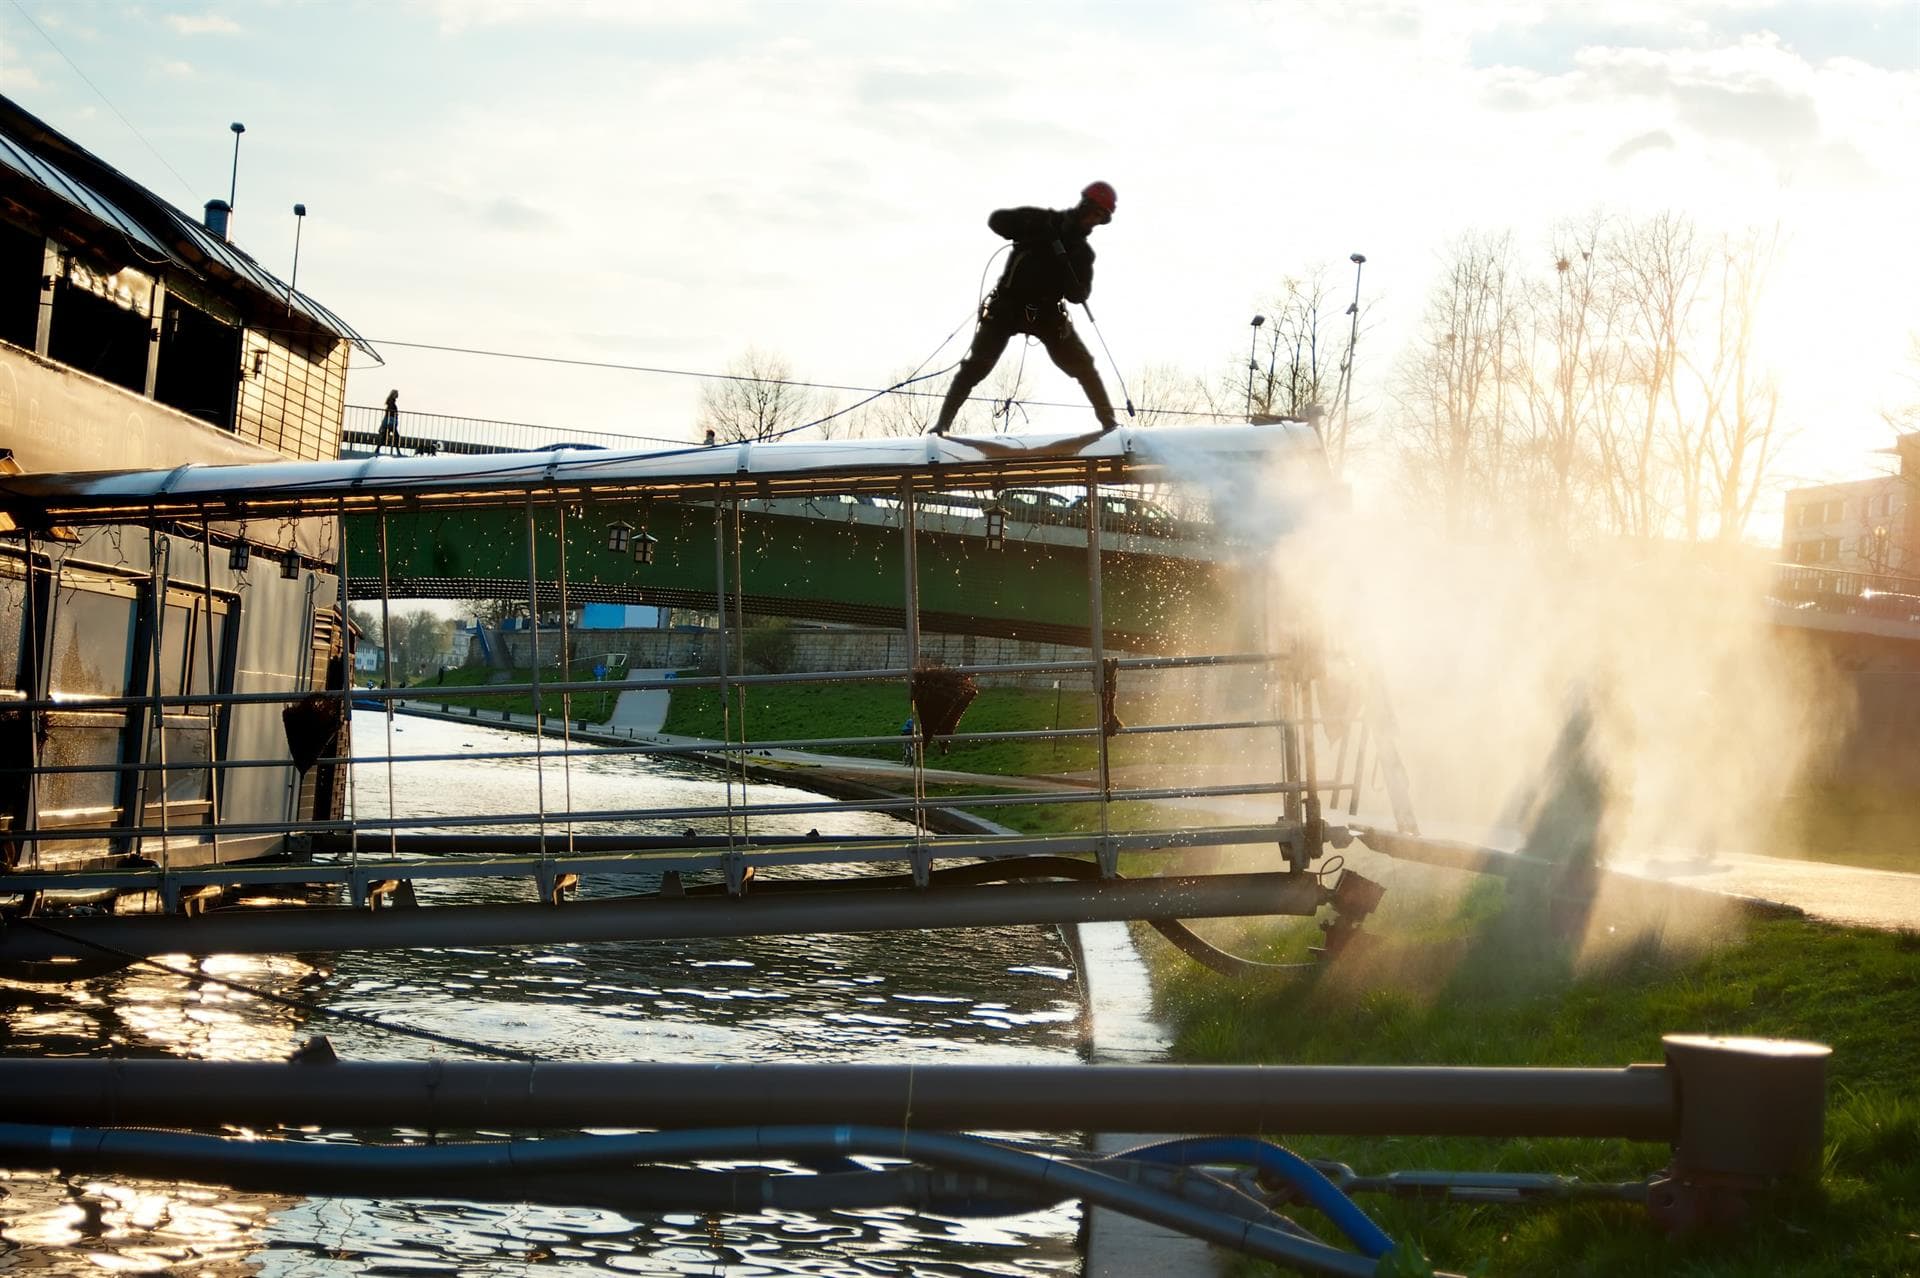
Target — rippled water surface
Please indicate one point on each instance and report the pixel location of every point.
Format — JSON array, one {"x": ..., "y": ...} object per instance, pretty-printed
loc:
[{"x": 993, "y": 995}]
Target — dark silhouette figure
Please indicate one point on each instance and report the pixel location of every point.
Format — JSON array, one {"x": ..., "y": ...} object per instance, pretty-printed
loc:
[
  {"x": 1051, "y": 265},
  {"x": 389, "y": 436}
]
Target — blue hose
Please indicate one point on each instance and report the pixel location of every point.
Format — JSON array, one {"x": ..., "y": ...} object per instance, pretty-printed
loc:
[
  {"x": 186, "y": 1155},
  {"x": 1297, "y": 1171}
]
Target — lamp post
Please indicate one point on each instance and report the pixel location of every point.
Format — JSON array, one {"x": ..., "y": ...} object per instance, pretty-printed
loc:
[
  {"x": 1353, "y": 339},
  {"x": 233, "y": 183},
  {"x": 1253, "y": 339},
  {"x": 299, "y": 220}
]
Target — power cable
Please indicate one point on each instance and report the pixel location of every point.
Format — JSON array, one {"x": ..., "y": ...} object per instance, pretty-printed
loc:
[
  {"x": 304, "y": 1005},
  {"x": 699, "y": 374}
]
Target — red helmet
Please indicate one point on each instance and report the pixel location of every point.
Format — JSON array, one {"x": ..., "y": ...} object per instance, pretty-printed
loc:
[{"x": 1101, "y": 196}]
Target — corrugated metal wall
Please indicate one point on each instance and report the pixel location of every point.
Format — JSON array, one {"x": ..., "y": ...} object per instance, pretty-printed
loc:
[{"x": 293, "y": 394}]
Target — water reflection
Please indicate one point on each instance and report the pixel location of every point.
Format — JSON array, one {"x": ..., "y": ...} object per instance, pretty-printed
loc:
[{"x": 1003, "y": 994}]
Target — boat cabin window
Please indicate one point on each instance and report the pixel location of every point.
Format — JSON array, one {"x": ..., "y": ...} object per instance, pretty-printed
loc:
[
  {"x": 100, "y": 324},
  {"x": 23, "y": 259},
  {"x": 198, "y": 358}
]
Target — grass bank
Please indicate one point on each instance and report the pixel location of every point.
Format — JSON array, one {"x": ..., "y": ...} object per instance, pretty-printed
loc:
[
  {"x": 454, "y": 688},
  {"x": 1481, "y": 981},
  {"x": 786, "y": 711}
]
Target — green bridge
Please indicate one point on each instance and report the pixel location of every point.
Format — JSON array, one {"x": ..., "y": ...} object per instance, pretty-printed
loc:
[{"x": 823, "y": 559}]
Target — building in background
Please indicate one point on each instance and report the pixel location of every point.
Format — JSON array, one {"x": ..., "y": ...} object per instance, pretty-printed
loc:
[{"x": 1864, "y": 525}]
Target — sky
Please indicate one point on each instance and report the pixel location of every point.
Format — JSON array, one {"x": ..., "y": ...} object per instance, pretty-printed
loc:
[{"x": 668, "y": 183}]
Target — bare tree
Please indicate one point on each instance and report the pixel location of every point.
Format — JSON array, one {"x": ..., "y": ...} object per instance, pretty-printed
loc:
[
  {"x": 1739, "y": 429},
  {"x": 1658, "y": 268},
  {"x": 1168, "y": 396},
  {"x": 911, "y": 410},
  {"x": 1454, "y": 389},
  {"x": 1570, "y": 377},
  {"x": 756, "y": 400}
]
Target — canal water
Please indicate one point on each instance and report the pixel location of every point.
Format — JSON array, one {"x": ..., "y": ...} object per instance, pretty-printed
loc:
[{"x": 991, "y": 995}]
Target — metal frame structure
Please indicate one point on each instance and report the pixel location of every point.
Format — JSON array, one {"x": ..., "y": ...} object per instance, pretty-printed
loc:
[{"x": 720, "y": 478}]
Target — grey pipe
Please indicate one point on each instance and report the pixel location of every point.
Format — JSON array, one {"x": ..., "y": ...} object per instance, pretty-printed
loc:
[
  {"x": 1637, "y": 1102},
  {"x": 654, "y": 918}
]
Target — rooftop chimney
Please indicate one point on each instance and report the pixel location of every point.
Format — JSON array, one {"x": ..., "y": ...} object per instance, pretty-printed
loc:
[{"x": 217, "y": 213}]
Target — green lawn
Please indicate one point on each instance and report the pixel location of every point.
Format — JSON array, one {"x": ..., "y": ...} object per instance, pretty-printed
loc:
[
  {"x": 790, "y": 711},
  {"x": 593, "y": 707},
  {"x": 1482, "y": 981}
]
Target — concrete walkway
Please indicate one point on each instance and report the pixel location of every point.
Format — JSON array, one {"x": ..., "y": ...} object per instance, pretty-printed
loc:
[{"x": 642, "y": 711}]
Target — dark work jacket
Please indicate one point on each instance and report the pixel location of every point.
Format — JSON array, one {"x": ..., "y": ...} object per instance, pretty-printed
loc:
[{"x": 1051, "y": 259}]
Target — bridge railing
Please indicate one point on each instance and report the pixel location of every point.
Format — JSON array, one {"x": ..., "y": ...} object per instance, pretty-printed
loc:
[
  {"x": 1886, "y": 596},
  {"x": 425, "y": 434}
]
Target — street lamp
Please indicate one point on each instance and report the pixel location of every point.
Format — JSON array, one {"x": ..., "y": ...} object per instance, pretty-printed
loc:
[
  {"x": 1253, "y": 339},
  {"x": 233, "y": 184},
  {"x": 299, "y": 220},
  {"x": 1353, "y": 340}
]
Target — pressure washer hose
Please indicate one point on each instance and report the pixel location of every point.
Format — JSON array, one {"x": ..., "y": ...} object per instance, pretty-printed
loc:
[{"x": 175, "y": 1154}]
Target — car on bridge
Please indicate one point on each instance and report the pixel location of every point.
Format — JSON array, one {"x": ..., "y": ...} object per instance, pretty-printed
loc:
[
  {"x": 1037, "y": 505},
  {"x": 1128, "y": 515}
]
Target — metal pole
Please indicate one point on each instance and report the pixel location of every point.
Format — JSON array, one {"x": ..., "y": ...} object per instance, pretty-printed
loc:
[
  {"x": 917, "y": 741},
  {"x": 1346, "y": 383},
  {"x": 672, "y": 918},
  {"x": 233, "y": 184},
  {"x": 386, "y": 644},
  {"x": 346, "y": 684},
  {"x": 159, "y": 554},
  {"x": 566, "y": 675},
  {"x": 533, "y": 640},
  {"x": 293, "y": 281},
  {"x": 213, "y": 680},
  {"x": 720, "y": 623},
  {"x": 37, "y": 682},
  {"x": 740, "y": 627},
  {"x": 1096, "y": 635},
  {"x": 1637, "y": 1102}
]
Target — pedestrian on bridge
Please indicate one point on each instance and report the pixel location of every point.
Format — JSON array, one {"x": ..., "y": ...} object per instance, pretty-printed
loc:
[
  {"x": 389, "y": 436},
  {"x": 1051, "y": 265}
]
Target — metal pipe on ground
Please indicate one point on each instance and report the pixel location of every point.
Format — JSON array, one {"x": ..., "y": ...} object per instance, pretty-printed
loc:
[
  {"x": 1636, "y": 1102},
  {"x": 657, "y": 918},
  {"x": 1738, "y": 1112}
]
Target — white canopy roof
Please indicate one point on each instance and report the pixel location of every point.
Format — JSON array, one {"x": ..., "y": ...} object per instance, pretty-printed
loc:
[{"x": 570, "y": 473}]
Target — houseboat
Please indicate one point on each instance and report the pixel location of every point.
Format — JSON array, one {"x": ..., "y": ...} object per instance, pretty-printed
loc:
[{"x": 135, "y": 335}]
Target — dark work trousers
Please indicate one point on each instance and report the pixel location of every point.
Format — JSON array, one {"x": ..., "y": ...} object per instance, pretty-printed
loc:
[{"x": 1055, "y": 331}]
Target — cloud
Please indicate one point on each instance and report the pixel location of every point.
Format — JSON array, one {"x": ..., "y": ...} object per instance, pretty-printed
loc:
[
  {"x": 176, "y": 69},
  {"x": 458, "y": 15},
  {"x": 15, "y": 75},
  {"x": 209, "y": 23},
  {"x": 1658, "y": 140},
  {"x": 509, "y": 213},
  {"x": 1753, "y": 93}
]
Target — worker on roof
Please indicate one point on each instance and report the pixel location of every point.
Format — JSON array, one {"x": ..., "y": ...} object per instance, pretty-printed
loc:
[{"x": 1051, "y": 265}]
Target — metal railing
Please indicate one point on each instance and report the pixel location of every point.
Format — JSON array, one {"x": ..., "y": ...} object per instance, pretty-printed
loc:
[
  {"x": 1886, "y": 596},
  {"x": 423, "y": 434}
]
